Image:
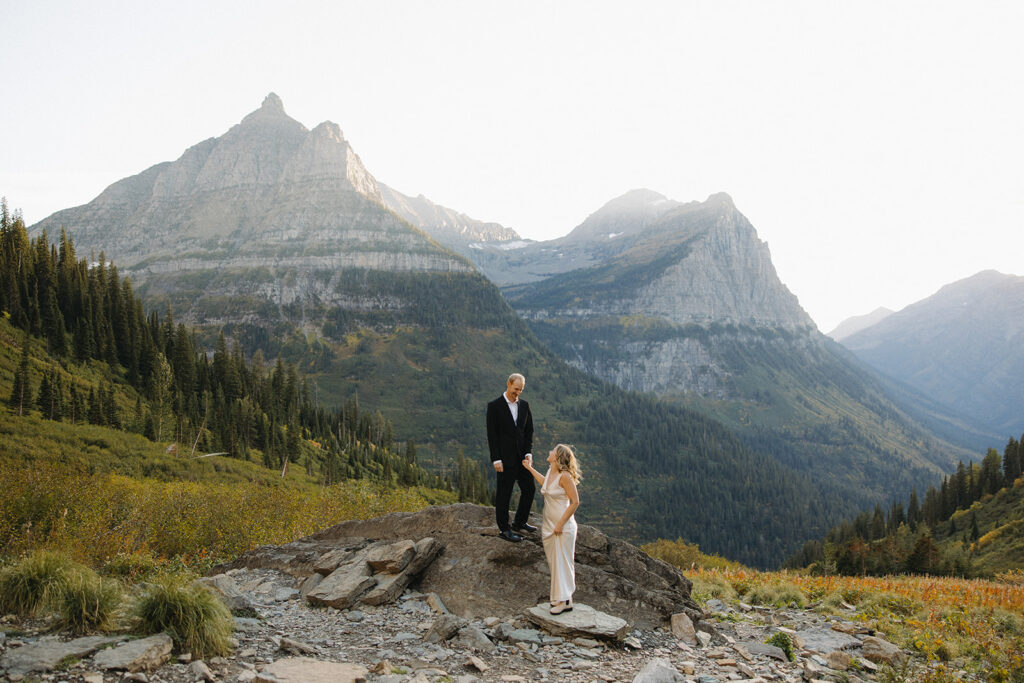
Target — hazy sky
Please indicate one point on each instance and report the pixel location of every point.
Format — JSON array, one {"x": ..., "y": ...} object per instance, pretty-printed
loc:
[{"x": 876, "y": 146}]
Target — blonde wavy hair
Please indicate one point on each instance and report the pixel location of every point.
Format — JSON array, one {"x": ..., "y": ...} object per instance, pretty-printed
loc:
[{"x": 565, "y": 458}]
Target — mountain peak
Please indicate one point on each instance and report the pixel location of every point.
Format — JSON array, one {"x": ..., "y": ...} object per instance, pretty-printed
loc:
[{"x": 272, "y": 103}]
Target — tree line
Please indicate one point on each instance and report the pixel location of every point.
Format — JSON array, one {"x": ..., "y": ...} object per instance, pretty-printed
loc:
[
  {"x": 204, "y": 401},
  {"x": 904, "y": 537}
]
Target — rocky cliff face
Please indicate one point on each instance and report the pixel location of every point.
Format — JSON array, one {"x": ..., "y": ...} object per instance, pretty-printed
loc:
[
  {"x": 963, "y": 347},
  {"x": 677, "y": 269},
  {"x": 268, "y": 193}
]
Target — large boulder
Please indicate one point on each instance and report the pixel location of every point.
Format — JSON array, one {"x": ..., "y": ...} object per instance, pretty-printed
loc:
[{"x": 479, "y": 574}]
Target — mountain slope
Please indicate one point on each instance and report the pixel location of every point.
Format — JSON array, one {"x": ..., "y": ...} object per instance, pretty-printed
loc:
[
  {"x": 859, "y": 322},
  {"x": 963, "y": 347},
  {"x": 451, "y": 228}
]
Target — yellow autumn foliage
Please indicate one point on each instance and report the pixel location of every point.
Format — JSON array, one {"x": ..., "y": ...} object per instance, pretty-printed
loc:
[{"x": 96, "y": 517}]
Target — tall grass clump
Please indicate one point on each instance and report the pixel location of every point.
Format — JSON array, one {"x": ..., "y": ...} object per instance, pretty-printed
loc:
[
  {"x": 710, "y": 586},
  {"x": 86, "y": 602},
  {"x": 26, "y": 585},
  {"x": 196, "y": 619}
]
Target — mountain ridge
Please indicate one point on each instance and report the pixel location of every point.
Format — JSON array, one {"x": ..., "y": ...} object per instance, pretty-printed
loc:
[{"x": 961, "y": 346}]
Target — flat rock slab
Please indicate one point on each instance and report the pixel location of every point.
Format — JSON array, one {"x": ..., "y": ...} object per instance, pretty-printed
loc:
[
  {"x": 44, "y": 654},
  {"x": 306, "y": 670},
  {"x": 137, "y": 655},
  {"x": 583, "y": 620},
  {"x": 766, "y": 650},
  {"x": 825, "y": 640}
]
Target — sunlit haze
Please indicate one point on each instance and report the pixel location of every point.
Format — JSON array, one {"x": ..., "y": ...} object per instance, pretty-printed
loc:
[{"x": 876, "y": 146}]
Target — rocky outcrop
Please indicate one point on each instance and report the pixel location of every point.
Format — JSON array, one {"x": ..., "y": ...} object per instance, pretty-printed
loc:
[{"x": 475, "y": 573}]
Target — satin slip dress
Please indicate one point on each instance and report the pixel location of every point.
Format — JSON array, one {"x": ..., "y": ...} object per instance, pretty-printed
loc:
[{"x": 560, "y": 550}]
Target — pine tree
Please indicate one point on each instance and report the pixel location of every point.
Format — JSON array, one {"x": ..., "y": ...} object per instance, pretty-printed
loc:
[
  {"x": 21, "y": 392},
  {"x": 1012, "y": 461},
  {"x": 95, "y": 415}
]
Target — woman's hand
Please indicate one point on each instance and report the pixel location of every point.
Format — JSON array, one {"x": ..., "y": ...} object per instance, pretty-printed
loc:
[
  {"x": 557, "y": 530},
  {"x": 527, "y": 464}
]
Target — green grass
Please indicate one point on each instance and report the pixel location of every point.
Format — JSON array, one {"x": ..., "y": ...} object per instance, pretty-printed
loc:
[
  {"x": 195, "y": 618},
  {"x": 86, "y": 602},
  {"x": 27, "y": 585}
]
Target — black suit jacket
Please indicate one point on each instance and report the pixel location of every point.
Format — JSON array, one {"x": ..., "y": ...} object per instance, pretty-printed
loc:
[{"x": 509, "y": 441}]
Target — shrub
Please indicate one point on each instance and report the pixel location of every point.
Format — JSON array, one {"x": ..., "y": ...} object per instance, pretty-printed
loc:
[
  {"x": 26, "y": 584},
  {"x": 196, "y": 619},
  {"x": 878, "y": 604},
  {"x": 762, "y": 594},
  {"x": 132, "y": 567},
  {"x": 85, "y": 601},
  {"x": 832, "y": 602},
  {"x": 790, "y": 594},
  {"x": 707, "y": 587}
]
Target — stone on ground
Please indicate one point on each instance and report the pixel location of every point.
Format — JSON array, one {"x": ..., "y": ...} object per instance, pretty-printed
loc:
[
  {"x": 306, "y": 670},
  {"x": 659, "y": 671},
  {"x": 137, "y": 655},
  {"x": 583, "y": 620},
  {"x": 682, "y": 628},
  {"x": 343, "y": 587},
  {"x": 881, "y": 650},
  {"x": 392, "y": 557},
  {"x": 225, "y": 587}
]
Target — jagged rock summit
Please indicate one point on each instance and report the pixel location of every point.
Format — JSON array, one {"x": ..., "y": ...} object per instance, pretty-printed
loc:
[
  {"x": 454, "y": 551},
  {"x": 267, "y": 193}
]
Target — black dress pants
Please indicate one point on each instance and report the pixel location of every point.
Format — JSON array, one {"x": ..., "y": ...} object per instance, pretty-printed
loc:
[{"x": 503, "y": 495}]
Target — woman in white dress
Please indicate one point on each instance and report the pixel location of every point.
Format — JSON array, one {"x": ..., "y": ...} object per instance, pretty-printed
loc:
[{"x": 559, "y": 528}]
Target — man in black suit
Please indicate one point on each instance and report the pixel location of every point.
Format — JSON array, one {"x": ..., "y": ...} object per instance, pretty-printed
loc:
[{"x": 510, "y": 439}]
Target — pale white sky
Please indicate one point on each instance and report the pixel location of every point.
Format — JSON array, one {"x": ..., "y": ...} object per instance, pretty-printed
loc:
[{"x": 876, "y": 146}]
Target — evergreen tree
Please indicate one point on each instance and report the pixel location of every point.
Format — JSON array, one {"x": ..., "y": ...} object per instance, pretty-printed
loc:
[
  {"x": 21, "y": 392},
  {"x": 913, "y": 510},
  {"x": 878, "y": 524},
  {"x": 95, "y": 415},
  {"x": 1012, "y": 461}
]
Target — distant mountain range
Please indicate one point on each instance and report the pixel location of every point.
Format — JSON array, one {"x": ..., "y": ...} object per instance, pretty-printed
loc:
[
  {"x": 962, "y": 347},
  {"x": 853, "y": 325},
  {"x": 280, "y": 237}
]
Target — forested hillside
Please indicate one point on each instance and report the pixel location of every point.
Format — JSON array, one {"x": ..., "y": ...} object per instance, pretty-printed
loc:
[
  {"x": 151, "y": 379},
  {"x": 971, "y": 525}
]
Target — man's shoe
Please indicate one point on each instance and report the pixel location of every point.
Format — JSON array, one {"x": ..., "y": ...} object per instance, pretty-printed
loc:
[
  {"x": 509, "y": 536},
  {"x": 524, "y": 527}
]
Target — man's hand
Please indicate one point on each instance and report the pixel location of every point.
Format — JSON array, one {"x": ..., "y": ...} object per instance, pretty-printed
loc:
[{"x": 498, "y": 467}]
